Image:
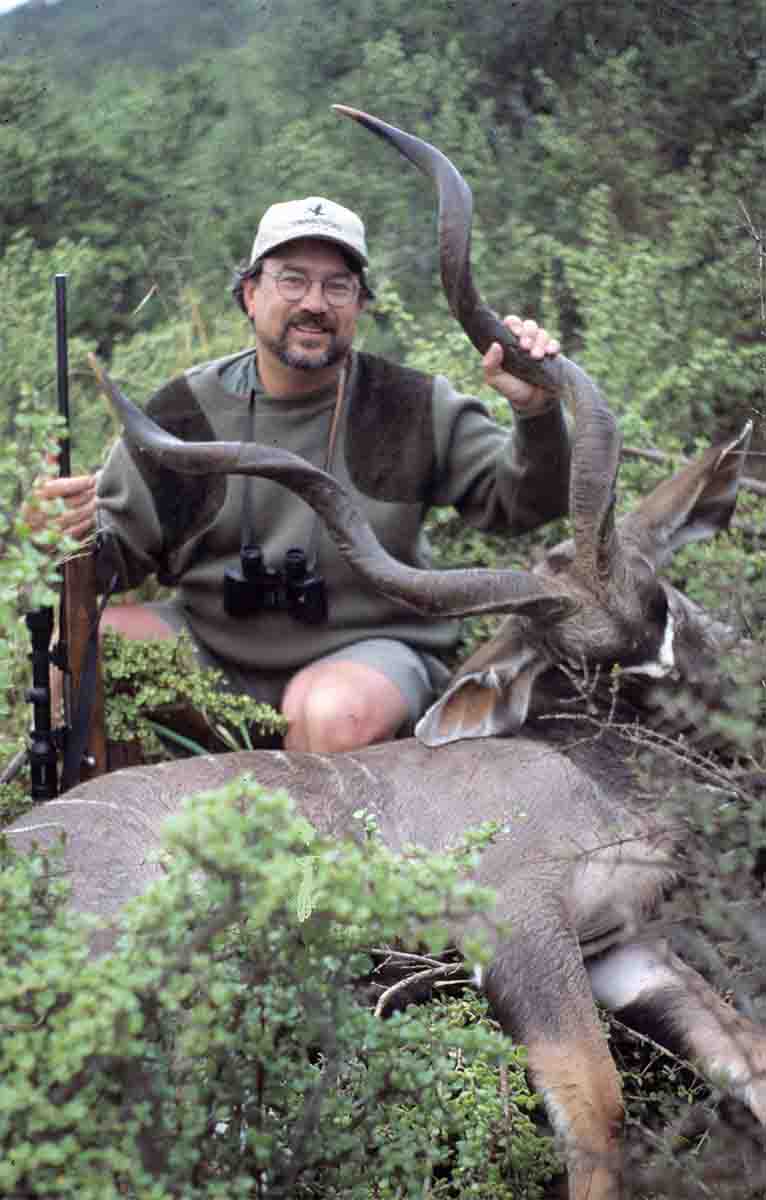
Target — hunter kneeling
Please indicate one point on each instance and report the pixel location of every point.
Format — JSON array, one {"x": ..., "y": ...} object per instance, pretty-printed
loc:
[{"x": 258, "y": 584}]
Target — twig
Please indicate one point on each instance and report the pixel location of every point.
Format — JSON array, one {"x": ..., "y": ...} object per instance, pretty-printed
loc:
[
  {"x": 671, "y": 745},
  {"x": 647, "y": 1041},
  {"x": 16, "y": 764},
  {"x": 410, "y": 980},
  {"x": 759, "y": 241},
  {"x": 406, "y": 958}
]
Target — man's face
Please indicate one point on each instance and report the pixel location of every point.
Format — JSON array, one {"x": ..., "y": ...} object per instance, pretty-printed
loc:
[{"x": 310, "y": 333}]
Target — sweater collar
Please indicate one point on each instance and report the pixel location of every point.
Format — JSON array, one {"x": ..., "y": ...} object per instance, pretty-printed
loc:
[{"x": 239, "y": 376}]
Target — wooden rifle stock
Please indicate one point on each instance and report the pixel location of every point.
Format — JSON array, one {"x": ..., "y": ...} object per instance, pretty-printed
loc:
[
  {"x": 79, "y": 610},
  {"x": 85, "y": 741}
]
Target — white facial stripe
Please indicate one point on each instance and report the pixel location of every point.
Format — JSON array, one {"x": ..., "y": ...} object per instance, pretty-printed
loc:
[{"x": 665, "y": 660}]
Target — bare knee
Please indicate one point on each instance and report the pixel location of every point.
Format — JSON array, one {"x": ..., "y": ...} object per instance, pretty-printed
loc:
[
  {"x": 341, "y": 706},
  {"x": 136, "y": 621},
  {"x": 331, "y": 720}
]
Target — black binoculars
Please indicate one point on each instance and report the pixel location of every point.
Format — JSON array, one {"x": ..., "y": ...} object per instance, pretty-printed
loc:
[{"x": 257, "y": 588}]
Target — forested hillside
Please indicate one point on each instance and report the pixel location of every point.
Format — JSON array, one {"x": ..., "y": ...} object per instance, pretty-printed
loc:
[
  {"x": 80, "y": 38},
  {"x": 612, "y": 149}
]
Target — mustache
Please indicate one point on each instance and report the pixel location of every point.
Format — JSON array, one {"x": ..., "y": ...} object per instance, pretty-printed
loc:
[{"x": 311, "y": 320}]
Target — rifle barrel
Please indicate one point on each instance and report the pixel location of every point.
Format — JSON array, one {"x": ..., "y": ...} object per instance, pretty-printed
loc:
[{"x": 62, "y": 373}]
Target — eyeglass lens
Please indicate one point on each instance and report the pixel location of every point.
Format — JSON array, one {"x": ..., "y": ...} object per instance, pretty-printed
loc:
[{"x": 294, "y": 285}]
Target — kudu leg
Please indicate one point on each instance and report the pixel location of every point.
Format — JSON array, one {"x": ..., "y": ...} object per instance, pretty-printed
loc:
[
  {"x": 653, "y": 992},
  {"x": 540, "y": 993}
]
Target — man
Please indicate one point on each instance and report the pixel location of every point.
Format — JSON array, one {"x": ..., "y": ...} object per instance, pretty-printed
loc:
[{"x": 346, "y": 666}]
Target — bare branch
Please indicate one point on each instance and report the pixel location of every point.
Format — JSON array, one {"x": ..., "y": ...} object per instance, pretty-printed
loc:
[{"x": 410, "y": 981}]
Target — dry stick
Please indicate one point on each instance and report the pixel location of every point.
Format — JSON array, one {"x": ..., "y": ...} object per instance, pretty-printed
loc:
[
  {"x": 406, "y": 958},
  {"x": 410, "y": 980},
  {"x": 759, "y": 241},
  {"x": 15, "y": 766},
  {"x": 645, "y": 1040}
]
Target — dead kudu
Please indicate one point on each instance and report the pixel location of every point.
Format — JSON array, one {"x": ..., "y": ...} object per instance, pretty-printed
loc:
[{"x": 578, "y": 875}]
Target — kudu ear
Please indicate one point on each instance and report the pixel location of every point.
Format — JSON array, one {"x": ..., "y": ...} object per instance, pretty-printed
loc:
[
  {"x": 694, "y": 504},
  {"x": 490, "y": 696}
]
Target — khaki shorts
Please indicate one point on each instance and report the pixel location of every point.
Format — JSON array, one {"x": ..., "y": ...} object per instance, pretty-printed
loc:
[{"x": 419, "y": 677}]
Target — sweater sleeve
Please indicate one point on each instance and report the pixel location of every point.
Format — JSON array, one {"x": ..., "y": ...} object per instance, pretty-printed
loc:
[
  {"x": 501, "y": 479},
  {"x": 150, "y": 519},
  {"x": 128, "y": 527}
]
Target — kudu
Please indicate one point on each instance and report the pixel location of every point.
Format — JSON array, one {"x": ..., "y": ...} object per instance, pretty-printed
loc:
[{"x": 578, "y": 864}]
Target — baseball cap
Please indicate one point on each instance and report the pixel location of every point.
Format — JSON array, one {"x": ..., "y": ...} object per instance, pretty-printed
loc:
[{"x": 313, "y": 217}]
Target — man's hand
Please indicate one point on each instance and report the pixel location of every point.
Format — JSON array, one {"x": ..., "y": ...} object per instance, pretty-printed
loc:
[
  {"x": 78, "y": 515},
  {"x": 525, "y": 399}
]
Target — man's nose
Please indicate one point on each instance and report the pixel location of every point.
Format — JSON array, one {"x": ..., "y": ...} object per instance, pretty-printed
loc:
[{"x": 314, "y": 299}]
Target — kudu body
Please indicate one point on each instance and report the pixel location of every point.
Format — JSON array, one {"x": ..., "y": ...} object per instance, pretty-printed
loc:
[{"x": 578, "y": 864}]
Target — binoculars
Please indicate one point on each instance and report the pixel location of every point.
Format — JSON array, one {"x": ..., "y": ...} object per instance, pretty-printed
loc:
[{"x": 257, "y": 588}]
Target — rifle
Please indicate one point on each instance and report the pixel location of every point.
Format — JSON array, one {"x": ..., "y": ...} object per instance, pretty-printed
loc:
[{"x": 82, "y": 739}]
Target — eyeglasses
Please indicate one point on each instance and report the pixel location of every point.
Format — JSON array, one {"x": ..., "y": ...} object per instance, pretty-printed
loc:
[{"x": 293, "y": 285}]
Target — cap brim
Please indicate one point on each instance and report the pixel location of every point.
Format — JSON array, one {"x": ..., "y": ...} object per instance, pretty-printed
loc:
[{"x": 312, "y": 237}]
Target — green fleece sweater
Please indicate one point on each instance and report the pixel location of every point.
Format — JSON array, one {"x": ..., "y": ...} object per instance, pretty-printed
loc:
[{"x": 405, "y": 442}]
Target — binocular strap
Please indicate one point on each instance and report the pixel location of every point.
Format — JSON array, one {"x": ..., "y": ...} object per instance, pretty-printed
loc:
[{"x": 248, "y": 513}]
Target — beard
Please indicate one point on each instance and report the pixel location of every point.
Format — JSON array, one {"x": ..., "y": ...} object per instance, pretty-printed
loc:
[{"x": 305, "y": 360}]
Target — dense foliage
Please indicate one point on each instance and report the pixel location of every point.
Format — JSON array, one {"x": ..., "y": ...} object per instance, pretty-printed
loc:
[{"x": 222, "y": 1051}]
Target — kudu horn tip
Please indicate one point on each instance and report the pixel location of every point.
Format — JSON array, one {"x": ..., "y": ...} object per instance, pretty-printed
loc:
[
  {"x": 374, "y": 124},
  {"x": 355, "y": 113},
  {"x": 348, "y": 111}
]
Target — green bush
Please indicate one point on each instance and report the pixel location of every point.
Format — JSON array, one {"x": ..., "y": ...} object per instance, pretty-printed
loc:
[
  {"x": 221, "y": 1049},
  {"x": 148, "y": 683}
]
